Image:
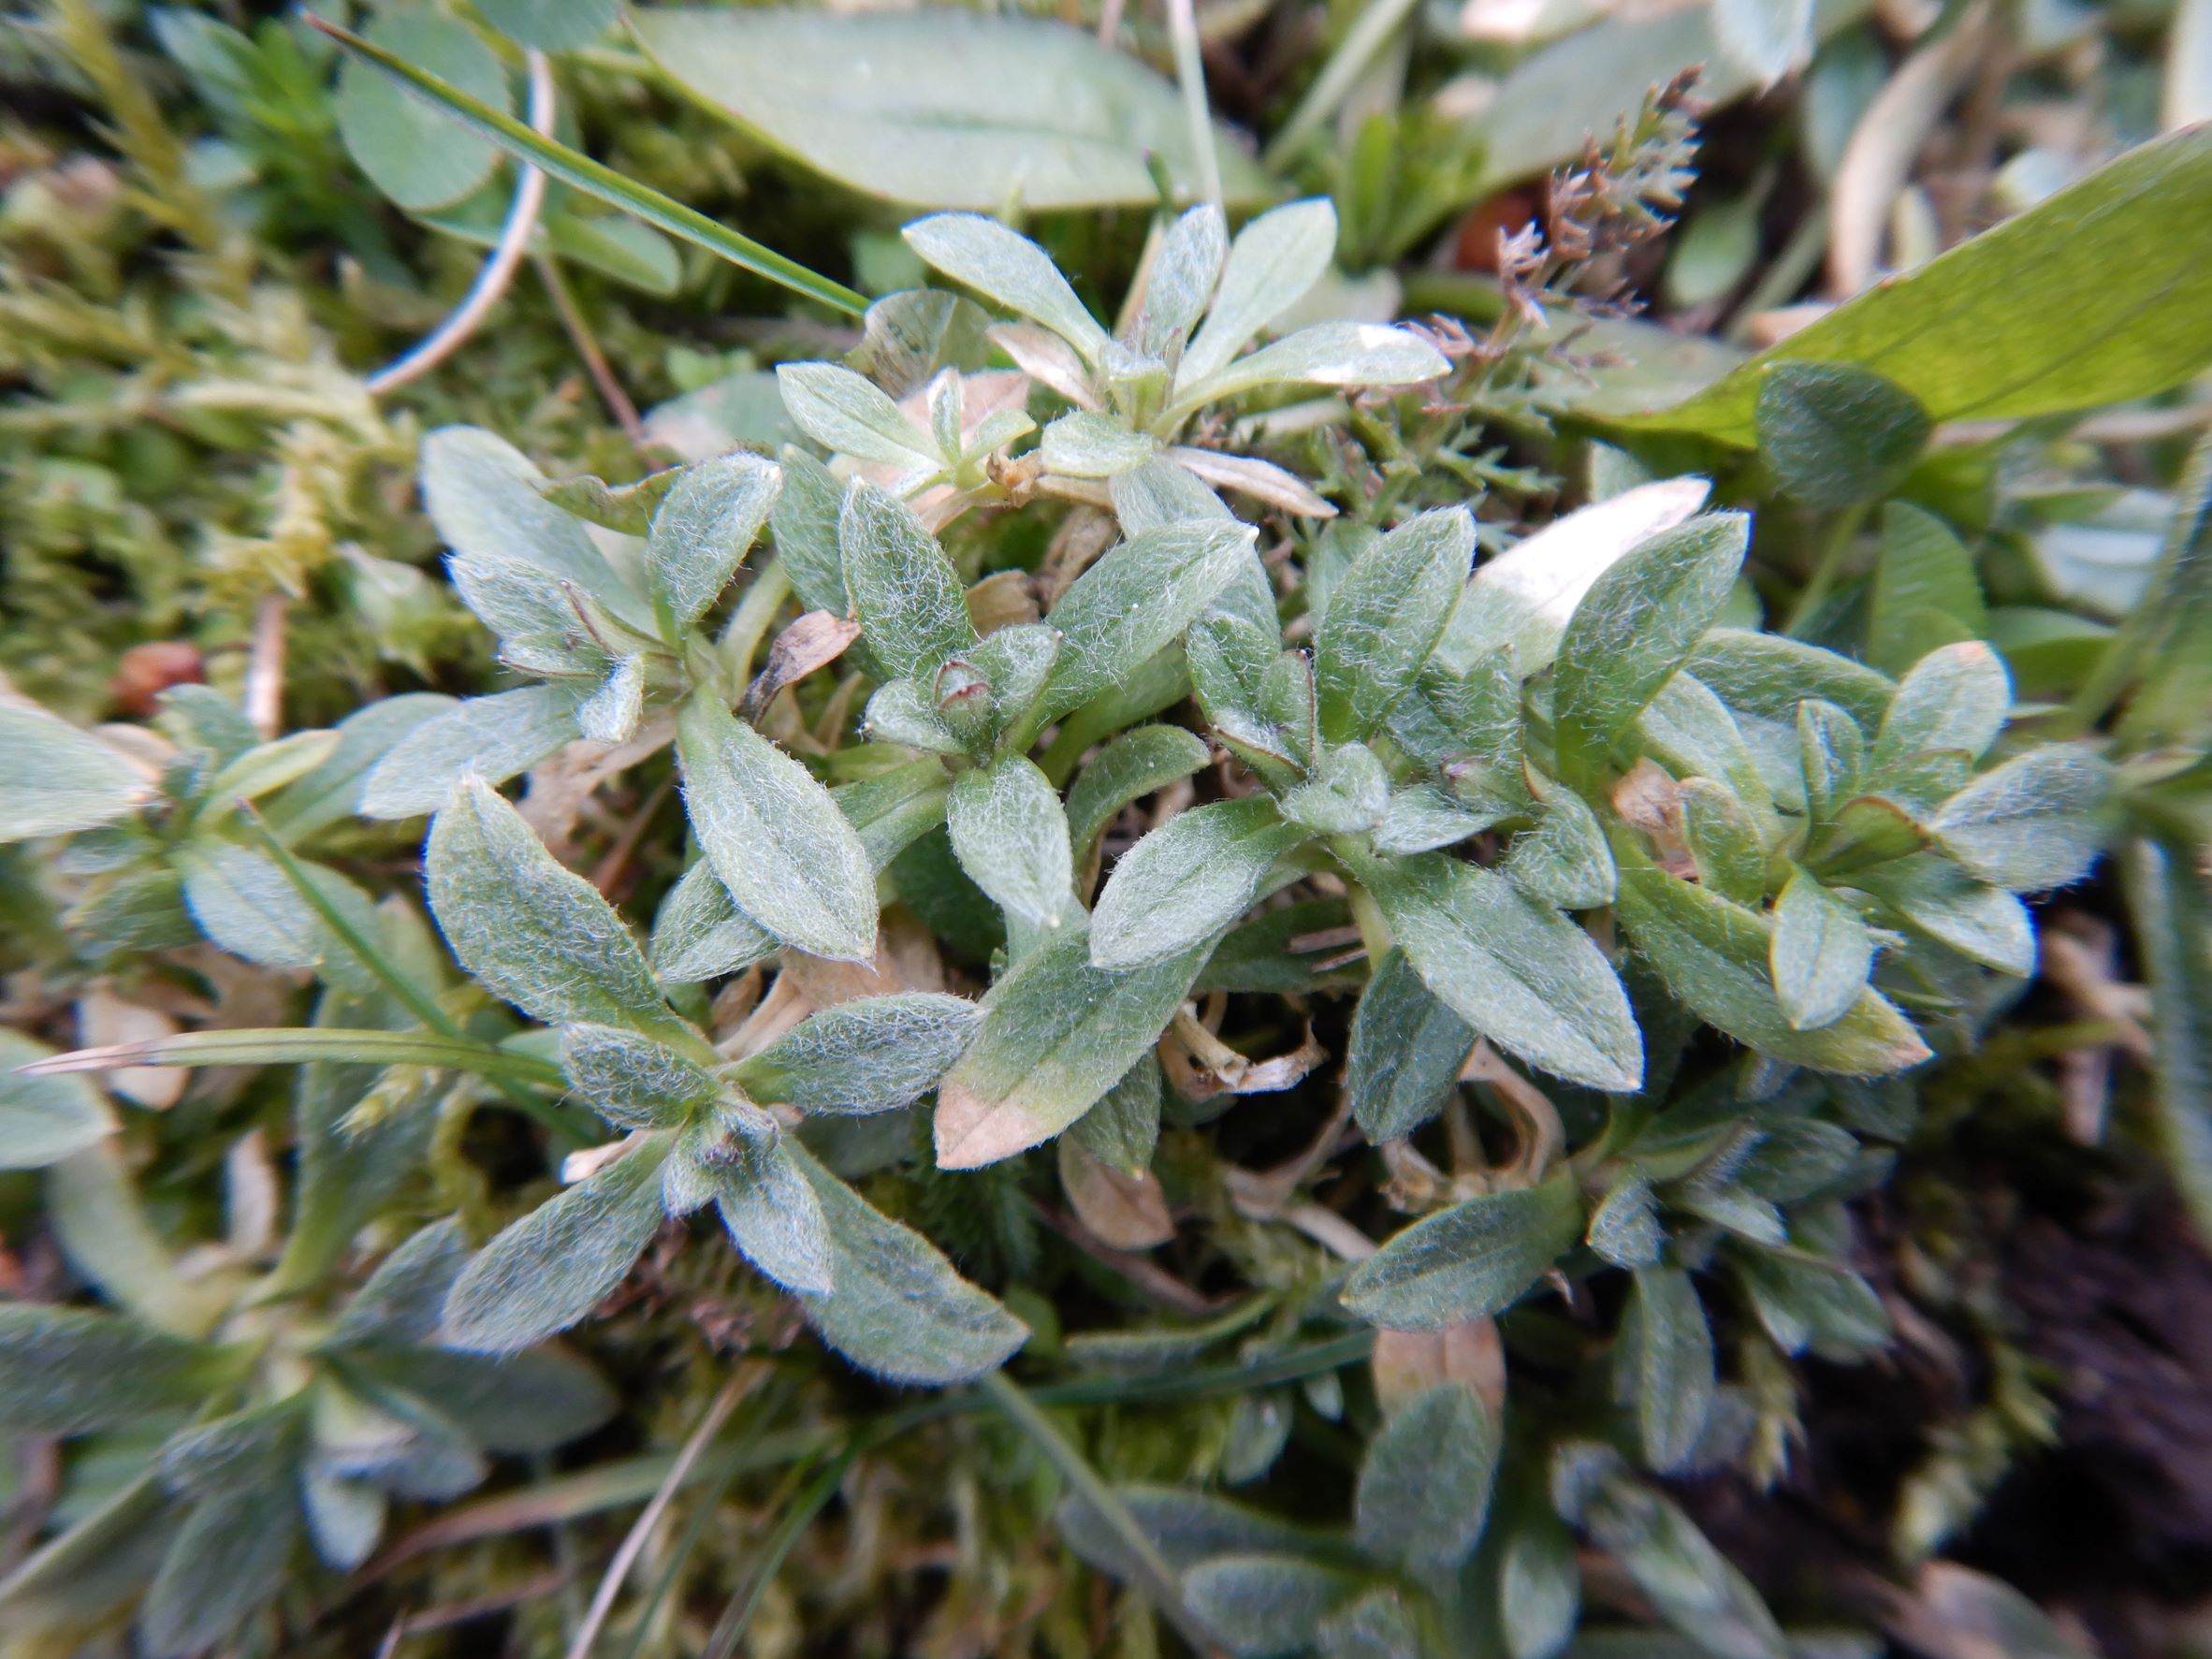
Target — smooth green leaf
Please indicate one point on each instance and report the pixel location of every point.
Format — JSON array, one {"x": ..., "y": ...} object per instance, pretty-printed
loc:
[
  {"x": 2035, "y": 823},
  {"x": 1836, "y": 435},
  {"x": 1925, "y": 593},
  {"x": 1384, "y": 617},
  {"x": 411, "y": 153},
  {"x": 1056, "y": 1034},
  {"x": 875, "y": 1054},
  {"x": 548, "y": 1270},
  {"x": 1423, "y": 1492},
  {"x": 535, "y": 933},
  {"x": 55, "y": 779},
  {"x": 551, "y": 25},
  {"x": 1405, "y": 1051},
  {"x": 792, "y": 860},
  {"x": 1713, "y": 957},
  {"x": 1071, "y": 123},
  {"x": 1134, "y": 602},
  {"x": 1187, "y": 880},
  {"x": 1635, "y": 627},
  {"x": 1820, "y": 953},
  {"x": 1513, "y": 967},
  {"x": 899, "y": 1310},
  {"x": 2095, "y": 292},
  {"x": 1474, "y": 1260},
  {"x": 702, "y": 530}
]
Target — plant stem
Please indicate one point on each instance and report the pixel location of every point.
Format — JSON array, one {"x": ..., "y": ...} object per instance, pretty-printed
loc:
[
  {"x": 1842, "y": 531},
  {"x": 1190, "y": 73},
  {"x": 1374, "y": 27}
]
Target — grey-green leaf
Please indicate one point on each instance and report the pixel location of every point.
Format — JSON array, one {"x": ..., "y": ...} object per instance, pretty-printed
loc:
[
  {"x": 1405, "y": 1054},
  {"x": 2035, "y": 823},
  {"x": 902, "y": 589},
  {"x": 772, "y": 1213},
  {"x": 1056, "y": 1033},
  {"x": 419, "y": 158},
  {"x": 701, "y": 933},
  {"x": 1474, "y": 1260},
  {"x": 1384, "y": 618},
  {"x": 67, "y": 1370},
  {"x": 44, "y": 1119},
  {"x": 899, "y": 1309},
  {"x": 548, "y": 1270},
  {"x": 1423, "y": 1492},
  {"x": 1954, "y": 698},
  {"x": 1635, "y": 628},
  {"x": 791, "y": 860},
  {"x": 1005, "y": 266},
  {"x": 851, "y": 414},
  {"x": 55, "y": 779},
  {"x": 1263, "y": 1606},
  {"x": 631, "y": 1080},
  {"x": 875, "y": 1054},
  {"x": 537, "y": 934},
  {"x": 1187, "y": 880},
  {"x": 1273, "y": 261},
  {"x": 1835, "y": 434},
  {"x": 1011, "y": 836},
  {"x": 702, "y": 530},
  {"x": 1129, "y": 768},
  {"x": 1820, "y": 953},
  {"x": 493, "y": 738},
  {"x": 1136, "y": 600},
  {"x": 1512, "y": 967},
  {"x": 1666, "y": 1351}
]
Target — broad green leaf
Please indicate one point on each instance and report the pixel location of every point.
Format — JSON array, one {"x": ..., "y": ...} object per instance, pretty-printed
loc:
[
  {"x": 1474, "y": 1260},
  {"x": 1687, "y": 729},
  {"x": 1423, "y": 1492},
  {"x": 1539, "y": 1586},
  {"x": 632, "y": 1081},
  {"x": 548, "y": 1270},
  {"x": 1187, "y": 880},
  {"x": 701, "y": 933},
  {"x": 44, "y": 1120},
  {"x": 1806, "y": 1303},
  {"x": 770, "y": 1209},
  {"x": 1564, "y": 859},
  {"x": 411, "y": 153},
  {"x": 1006, "y": 267},
  {"x": 1768, "y": 674},
  {"x": 792, "y": 860},
  {"x": 333, "y": 790},
  {"x": 1380, "y": 1624},
  {"x": 1932, "y": 896},
  {"x": 1523, "y": 597},
  {"x": 67, "y": 1371},
  {"x": 1767, "y": 39},
  {"x": 1121, "y": 1130},
  {"x": 551, "y": 25},
  {"x": 890, "y": 103},
  {"x": 535, "y": 933},
  {"x": 1133, "y": 602},
  {"x": 1263, "y": 1606},
  {"x": 1131, "y": 767},
  {"x": 1925, "y": 593},
  {"x": 804, "y": 524},
  {"x": 899, "y": 1310},
  {"x": 2095, "y": 294},
  {"x": 1724, "y": 841},
  {"x": 1273, "y": 261},
  {"x": 580, "y": 172},
  {"x": 1085, "y": 444},
  {"x": 900, "y": 586},
  {"x": 1835, "y": 434},
  {"x": 2173, "y": 624},
  {"x": 1180, "y": 281},
  {"x": 1633, "y": 630},
  {"x": 875, "y": 1054},
  {"x": 1404, "y": 1053},
  {"x": 1955, "y": 698},
  {"x": 1011, "y": 836},
  {"x": 1349, "y": 791},
  {"x": 1384, "y": 617},
  {"x": 1323, "y": 354},
  {"x": 1056, "y": 1034},
  {"x": 1666, "y": 1355},
  {"x": 492, "y": 738},
  {"x": 2172, "y": 911},
  {"x": 1513, "y": 967},
  {"x": 851, "y": 414},
  {"x": 1713, "y": 957},
  {"x": 2035, "y": 823},
  {"x": 702, "y": 530},
  {"x": 1820, "y": 953},
  {"x": 55, "y": 779},
  {"x": 246, "y": 902}
]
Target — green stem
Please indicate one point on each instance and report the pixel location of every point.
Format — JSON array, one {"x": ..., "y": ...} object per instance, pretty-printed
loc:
[
  {"x": 1190, "y": 74},
  {"x": 301, "y": 1045},
  {"x": 1842, "y": 531},
  {"x": 1376, "y": 23}
]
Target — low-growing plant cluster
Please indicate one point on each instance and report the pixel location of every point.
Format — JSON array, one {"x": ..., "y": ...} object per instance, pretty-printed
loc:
[{"x": 1063, "y": 915}]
